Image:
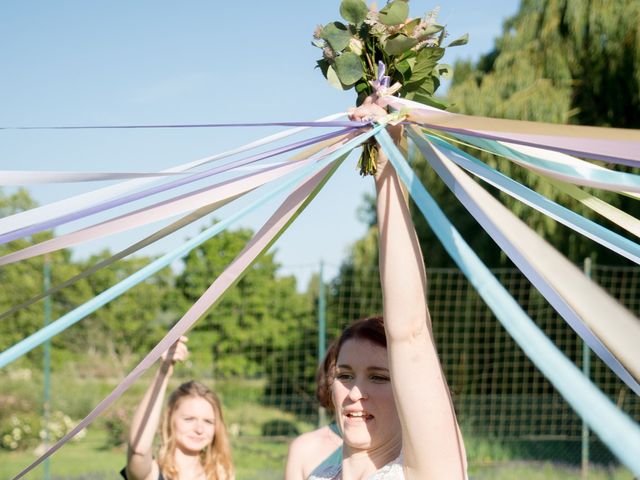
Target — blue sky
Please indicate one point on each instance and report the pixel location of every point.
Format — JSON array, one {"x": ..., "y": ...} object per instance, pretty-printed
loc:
[{"x": 159, "y": 61}]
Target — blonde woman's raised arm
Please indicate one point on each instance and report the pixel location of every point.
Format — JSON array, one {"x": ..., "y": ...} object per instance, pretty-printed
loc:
[{"x": 144, "y": 425}]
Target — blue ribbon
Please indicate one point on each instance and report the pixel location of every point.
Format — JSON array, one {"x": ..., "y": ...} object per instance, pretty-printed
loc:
[
  {"x": 586, "y": 227},
  {"x": 617, "y": 181},
  {"x": 614, "y": 427},
  {"x": 532, "y": 273}
]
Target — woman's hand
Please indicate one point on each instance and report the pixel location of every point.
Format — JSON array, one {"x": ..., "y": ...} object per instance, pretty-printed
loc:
[
  {"x": 178, "y": 352},
  {"x": 370, "y": 110}
]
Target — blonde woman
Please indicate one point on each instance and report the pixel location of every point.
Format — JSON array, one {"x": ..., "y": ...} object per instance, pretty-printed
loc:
[{"x": 194, "y": 442}]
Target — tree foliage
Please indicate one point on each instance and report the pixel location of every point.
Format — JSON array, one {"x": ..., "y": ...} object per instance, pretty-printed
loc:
[
  {"x": 127, "y": 325},
  {"x": 260, "y": 302},
  {"x": 558, "y": 61}
]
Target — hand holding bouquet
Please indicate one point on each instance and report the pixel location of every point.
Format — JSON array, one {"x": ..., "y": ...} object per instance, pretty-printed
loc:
[{"x": 384, "y": 52}]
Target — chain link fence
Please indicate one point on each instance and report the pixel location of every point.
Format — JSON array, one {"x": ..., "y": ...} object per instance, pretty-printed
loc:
[{"x": 504, "y": 404}]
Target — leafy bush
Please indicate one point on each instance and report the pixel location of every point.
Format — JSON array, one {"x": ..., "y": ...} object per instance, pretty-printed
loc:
[{"x": 116, "y": 424}]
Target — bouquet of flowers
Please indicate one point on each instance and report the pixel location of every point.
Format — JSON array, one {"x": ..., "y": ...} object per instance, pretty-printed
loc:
[{"x": 385, "y": 52}]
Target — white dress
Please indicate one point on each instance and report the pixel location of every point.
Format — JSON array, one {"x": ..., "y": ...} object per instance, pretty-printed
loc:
[{"x": 391, "y": 471}]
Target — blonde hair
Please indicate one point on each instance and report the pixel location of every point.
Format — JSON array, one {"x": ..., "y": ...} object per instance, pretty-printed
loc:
[{"x": 216, "y": 457}]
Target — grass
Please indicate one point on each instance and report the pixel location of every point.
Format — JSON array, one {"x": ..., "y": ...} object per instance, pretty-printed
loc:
[
  {"x": 88, "y": 459},
  {"x": 83, "y": 459},
  {"x": 543, "y": 471},
  {"x": 256, "y": 457}
]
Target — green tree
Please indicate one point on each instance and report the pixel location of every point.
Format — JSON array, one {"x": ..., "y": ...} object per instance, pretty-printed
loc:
[
  {"x": 127, "y": 325},
  {"x": 558, "y": 61},
  {"x": 23, "y": 280},
  {"x": 253, "y": 319}
]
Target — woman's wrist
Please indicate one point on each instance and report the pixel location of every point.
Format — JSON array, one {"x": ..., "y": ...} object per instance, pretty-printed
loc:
[{"x": 166, "y": 368}]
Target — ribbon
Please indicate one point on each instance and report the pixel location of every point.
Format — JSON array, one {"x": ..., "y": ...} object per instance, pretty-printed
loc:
[
  {"x": 614, "y": 427},
  {"x": 25, "y": 177},
  {"x": 153, "y": 213},
  {"x": 7, "y": 237},
  {"x": 260, "y": 243},
  {"x": 615, "y": 145},
  {"x": 45, "y": 212},
  {"x": 613, "y": 214},
  {"x": 192, "y": 217},
  {"x": 545, "y": 163},
  {"x": 82, "y": 311},
  {"x": 315, "y": 123},
  {"x": 590, "y": 229}
]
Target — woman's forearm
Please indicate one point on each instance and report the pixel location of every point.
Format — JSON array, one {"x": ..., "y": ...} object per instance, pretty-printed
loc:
[
  {"x": 401, "y": 267},
  {"x": 431, "y": 442},
  {"x": 147, "y": 415}
]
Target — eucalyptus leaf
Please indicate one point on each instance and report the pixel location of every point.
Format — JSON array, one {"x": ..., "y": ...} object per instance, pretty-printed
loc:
[
  {"x": 395, "y": 12},
  {"x": 444, "y": 70},
  {"x": 426, "y": 60},
  {"x": 411, "y": 26},
  {"x": 425, "y": 87},
  {"x": 337, "y": 34},
  {"x": 323, "y": 65},
  {"x": 349, "y": 68},
  {"x": 334, "y": 81},
  {"x": 431, "y": 29},
  {"x": 354, "y": 11},
  {"x": 398, "y": 44},
  {"x": 363, "y": 86},
  {"x": 404, "y": 68},
  {"x": 429, "y": 100},
  {"x": 463, "y": 40},
  {"x": 318, "y": 43}
]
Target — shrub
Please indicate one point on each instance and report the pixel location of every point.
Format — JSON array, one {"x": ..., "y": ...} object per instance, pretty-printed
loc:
[
  {"x": 116, "y": 423},
  {"x": 20, "y": 431}
]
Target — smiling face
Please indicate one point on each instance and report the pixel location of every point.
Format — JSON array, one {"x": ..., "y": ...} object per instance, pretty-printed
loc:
[
  {"x": 363, "y": 397},
  {"x": 193, "y": 423}
]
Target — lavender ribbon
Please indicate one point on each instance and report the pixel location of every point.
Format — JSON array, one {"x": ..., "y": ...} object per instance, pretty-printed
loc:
[
  {"x": 54, "y": 222},
  {"x": 333, "y": 123}
]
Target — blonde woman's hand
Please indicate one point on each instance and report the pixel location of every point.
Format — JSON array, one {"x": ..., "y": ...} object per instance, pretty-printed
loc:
[{"x": 178, "y": 352}]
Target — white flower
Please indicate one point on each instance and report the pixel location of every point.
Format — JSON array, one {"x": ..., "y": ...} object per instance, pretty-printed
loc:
[
  {"x": 355, "y": 44},
  {"x": 371, "y": 18}
]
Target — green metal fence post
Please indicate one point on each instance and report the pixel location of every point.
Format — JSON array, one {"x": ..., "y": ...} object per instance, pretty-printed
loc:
[
  {"x": 586, "y": 364},
  {"x": 46, "y": 406},
  {"x": 322, "y": 332}
]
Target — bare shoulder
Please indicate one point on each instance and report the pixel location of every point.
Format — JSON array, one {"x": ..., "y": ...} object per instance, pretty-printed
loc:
[
  {"x": 308, "y": 451},
  {"x": 311, "y": 441}
]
